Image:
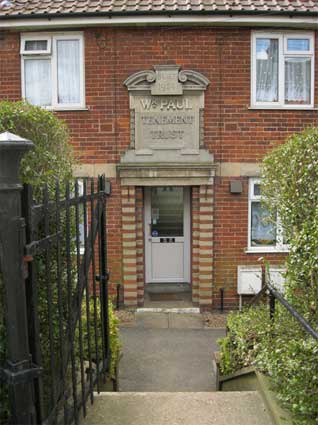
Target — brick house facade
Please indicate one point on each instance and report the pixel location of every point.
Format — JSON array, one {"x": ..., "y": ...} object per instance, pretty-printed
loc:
[{"x": 237, "y": 134}]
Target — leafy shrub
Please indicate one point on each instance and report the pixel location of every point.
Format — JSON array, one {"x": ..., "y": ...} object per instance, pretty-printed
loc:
[
  {"x": 52, "y": 156},
  {"x": 282, "y": 349},
  {"x": 290, "y": 188},
  {"x": 279, "y": 348},
  {"x": 114, "y": 341},
  {"x": 245, "y": 338}
]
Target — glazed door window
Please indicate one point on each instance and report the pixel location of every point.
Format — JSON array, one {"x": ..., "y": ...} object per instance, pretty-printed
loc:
[{"x": 167, "y": 209}]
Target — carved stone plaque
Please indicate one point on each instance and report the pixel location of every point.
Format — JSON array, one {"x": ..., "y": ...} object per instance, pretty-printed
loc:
[
  {"x": 166, "y": 122},
  {"x": 166, "y": 81},
  {"x": 166, "y": 110}
]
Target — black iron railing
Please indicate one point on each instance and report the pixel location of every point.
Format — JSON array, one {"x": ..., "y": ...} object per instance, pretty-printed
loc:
[
  {"x": 273, "y": 296},
  {"x": 55, "y": 280}
]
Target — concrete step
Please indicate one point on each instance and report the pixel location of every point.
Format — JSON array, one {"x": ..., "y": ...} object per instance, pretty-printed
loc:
[{"x": 178, "y": 408}]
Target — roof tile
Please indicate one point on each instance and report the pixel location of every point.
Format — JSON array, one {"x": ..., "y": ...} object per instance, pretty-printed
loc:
[{"x": 50, "y": 7}]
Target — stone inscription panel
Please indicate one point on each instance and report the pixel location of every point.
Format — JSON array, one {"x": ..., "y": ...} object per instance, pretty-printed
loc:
[
  {"x": 167, "y": 81},
  {"x": 166, "y": 122}
]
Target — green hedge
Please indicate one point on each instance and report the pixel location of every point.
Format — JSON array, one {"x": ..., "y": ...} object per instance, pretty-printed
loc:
[
  {"x": 282, "y": 349},
  {"x": 52, "y": 157}
]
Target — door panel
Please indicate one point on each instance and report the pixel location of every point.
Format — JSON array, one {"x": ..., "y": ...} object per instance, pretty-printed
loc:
[
  {"x": 167, "y": 234},
  {"x": 170, "y": 266}
]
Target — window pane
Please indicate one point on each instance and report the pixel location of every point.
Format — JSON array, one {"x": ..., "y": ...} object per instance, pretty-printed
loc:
[
  {"x": 34, "y": 45},
  {"x": 263, "y": 233},
  {"x": 37, "y": 80},
  {"x": 299, "y": 44},
  {"x": 68, "y": 71},
  {"x": 297, "y": 80},
  {"x": 167, "y": 211},
  {"x": 266, "y": 70},
  {"x": 257, "y": 189}
]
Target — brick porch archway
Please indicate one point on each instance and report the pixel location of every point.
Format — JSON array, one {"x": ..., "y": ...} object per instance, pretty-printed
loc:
[{"x": 201, "y": 245}]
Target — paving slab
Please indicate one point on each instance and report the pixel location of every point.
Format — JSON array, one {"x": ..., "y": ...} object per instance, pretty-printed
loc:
[
  {"x": 152, "y": 320},
  {"x": 218, "y": 408},
  {"x": 168, "y": 359},
  {"x": 185, "y": 321}
]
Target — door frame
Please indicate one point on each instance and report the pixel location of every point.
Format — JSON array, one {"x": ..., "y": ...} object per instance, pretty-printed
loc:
[{"x": 186, "y": 234}]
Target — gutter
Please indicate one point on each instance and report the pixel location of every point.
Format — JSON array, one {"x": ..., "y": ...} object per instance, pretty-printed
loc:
[{"x": 189, "y": 18}]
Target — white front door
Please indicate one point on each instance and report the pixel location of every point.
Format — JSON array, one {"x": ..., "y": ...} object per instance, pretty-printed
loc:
[{"x": 167, "y": 234}]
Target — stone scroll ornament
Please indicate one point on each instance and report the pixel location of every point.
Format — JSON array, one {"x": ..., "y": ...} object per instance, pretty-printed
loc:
[{"x": 166, "y": 109}]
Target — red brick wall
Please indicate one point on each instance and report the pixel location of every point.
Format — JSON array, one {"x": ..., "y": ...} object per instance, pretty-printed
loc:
[
  {"x": 233, "y": 132},
  {"x": 231, "y": 240}
]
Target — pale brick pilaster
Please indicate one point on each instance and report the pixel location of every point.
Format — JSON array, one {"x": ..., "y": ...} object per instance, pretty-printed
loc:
[
  {"x": 140, "y": 257},
  {"x": 129, "y": 231},
  {"x": 205, "y": 266},
  {"x": 195, "y": 244}
]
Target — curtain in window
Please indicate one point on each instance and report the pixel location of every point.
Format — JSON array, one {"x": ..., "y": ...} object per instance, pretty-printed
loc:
[
  {"x": 38, "y": 81},
  {"x": 33, "y": 45},
  {"x": 297, "y": 80},
  {"x": 68, "y": 71},
  {"x": 266, "y": 70},
  {"x": 262, "y": 231}
]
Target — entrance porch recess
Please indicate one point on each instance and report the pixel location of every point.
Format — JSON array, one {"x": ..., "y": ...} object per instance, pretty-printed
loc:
[{"x": 167, "y": 178}]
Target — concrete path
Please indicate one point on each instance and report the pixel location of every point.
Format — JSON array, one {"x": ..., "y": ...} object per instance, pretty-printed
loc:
[
  {"x": 168, "y": 359},
  {"x": 228, "y": 408},
  {"x": 168, "y": 352},
  {"x": 166, "y": 378}
]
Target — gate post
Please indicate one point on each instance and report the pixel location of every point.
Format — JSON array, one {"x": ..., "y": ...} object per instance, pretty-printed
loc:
[{"x": 18, "y": 371}]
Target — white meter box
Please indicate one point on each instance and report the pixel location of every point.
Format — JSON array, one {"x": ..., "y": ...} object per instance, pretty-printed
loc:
[{"x": 249, "y": 280}]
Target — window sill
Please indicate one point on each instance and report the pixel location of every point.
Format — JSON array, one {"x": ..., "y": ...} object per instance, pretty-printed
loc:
[
  {"x": 282, "y": 108},
  {"x": 267, "y": 251},
  {"x": 64, "y": 109}
]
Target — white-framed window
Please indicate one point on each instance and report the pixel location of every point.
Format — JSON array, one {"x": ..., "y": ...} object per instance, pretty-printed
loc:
[
  {"x": 52, "y": 67},
  {"x": 263, "y": 234},
  {"x": 282, "y": 70}
]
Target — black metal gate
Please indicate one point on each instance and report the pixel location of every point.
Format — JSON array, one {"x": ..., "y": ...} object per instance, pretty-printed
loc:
[{"x": 57, "y": 323}]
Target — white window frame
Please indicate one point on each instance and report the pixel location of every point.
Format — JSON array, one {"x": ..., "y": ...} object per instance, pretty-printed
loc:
[
  {"x": 80, "y": 182},
  {"x": 39, "y": 37},
  {"x": 280, "y": 246},
  {"x": 283, "y": 53},
  {"x": 81, "y": 193},
  {"x": 51, "y": 54}
]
